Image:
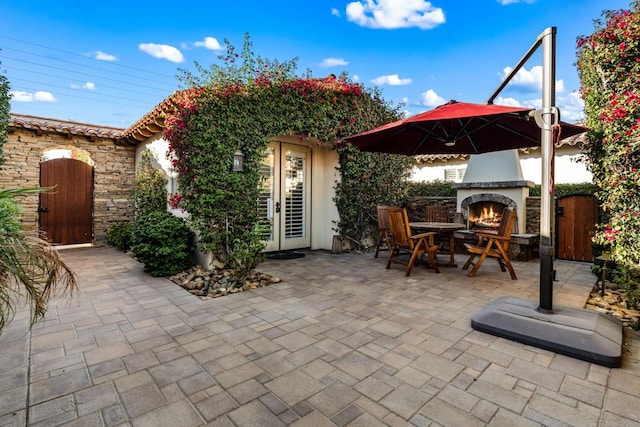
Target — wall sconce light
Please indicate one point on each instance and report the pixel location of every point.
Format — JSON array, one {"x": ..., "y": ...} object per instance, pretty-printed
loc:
[{"x": 238, "y": 161}]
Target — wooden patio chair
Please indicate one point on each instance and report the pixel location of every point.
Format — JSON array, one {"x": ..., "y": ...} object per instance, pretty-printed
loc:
[
  {"x": 403, "y": 243},
  {"x": 437, "y": 214},
  {"x": 383, "y": 230},
  {"x": 493, "y": 245}
]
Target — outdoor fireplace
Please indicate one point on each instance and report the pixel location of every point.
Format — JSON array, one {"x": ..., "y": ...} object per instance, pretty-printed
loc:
[
  {"x": 483, "y": 211},
  {"x": 485, "y": 216},
  {"x": 492, "y": 182}
]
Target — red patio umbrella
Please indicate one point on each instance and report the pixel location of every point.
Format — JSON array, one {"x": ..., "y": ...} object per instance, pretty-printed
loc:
[{"x": 458, "y": 128}]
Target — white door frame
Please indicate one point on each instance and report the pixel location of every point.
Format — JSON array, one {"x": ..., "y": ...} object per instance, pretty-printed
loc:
[{"x": 285, "y": 203}]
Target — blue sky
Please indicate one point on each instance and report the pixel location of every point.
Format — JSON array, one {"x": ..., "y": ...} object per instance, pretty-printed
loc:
[{"x": 109, "y": 63}]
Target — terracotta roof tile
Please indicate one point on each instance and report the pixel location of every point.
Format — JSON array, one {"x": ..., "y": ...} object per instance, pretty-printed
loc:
[
  {"x": 43, "y": 124},
  {"x": 152, "y": 122}
]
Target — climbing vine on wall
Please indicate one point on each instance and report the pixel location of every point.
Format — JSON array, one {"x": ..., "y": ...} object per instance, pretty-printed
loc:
[
  {"x": 609, "y": 66},
  {"x": 241, "y": 105}
]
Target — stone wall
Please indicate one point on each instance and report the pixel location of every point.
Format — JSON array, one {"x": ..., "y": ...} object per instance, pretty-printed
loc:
[
  {"x": 416, "y": 206},
  {"x": 113, "y": 174},
  {"x": 533, "y": 215}
]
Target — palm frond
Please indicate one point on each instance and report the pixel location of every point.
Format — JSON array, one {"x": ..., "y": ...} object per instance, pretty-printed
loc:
[{"x": 30, "y": 267}]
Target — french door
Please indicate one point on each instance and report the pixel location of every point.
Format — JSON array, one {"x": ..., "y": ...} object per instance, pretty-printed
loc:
[{"x": 284, "y": 200}]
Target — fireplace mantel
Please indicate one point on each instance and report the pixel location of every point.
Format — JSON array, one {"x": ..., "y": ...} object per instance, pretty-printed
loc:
[{"x": 493, "y": 184}]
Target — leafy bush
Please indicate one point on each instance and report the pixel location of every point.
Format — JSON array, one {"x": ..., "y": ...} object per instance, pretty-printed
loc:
[
  {"x": 368, "y": 180},
  {"x": 627, "y": 278},
  {"x": 609, "y": 70},
  {"x": 163, "y": 243},
  {"x": 436, "y": 188},
  {"x": 561, "y": 190},
  {"x": 119, "y": 235},
  {"x": 242, "y": 104},
  {"x": 150, "y": 188}
]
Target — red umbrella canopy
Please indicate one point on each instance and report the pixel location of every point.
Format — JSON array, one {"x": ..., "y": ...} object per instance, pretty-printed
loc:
[{"x": 458, "y": 128}]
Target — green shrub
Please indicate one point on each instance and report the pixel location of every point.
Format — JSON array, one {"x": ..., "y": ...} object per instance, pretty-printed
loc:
[
  {"x": 435, "y": 188},
  {"x": 149, "y": 190},
  {"x": 119, "y": 235},
  {"x": 627, "y": 278},
  {"x": 609, "y": 70},
  {"x": 163, "y": 243},
  {"x": 561, "y": 190}
]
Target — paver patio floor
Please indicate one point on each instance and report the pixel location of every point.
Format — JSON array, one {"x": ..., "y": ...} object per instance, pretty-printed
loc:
[{"x": 340, "y": 341}]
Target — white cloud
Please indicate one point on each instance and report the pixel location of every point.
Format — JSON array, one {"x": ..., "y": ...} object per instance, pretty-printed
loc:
[
  {"x": 102, "y": 56},
  {"x": 506, "y": 2},
  {"x": 333, "y": 62},
  {"x": 210, "y": 43},
  {"x": 390, "y": 14},
  {"x": 44, "y": 96},
  {"x": 529, "y": 79},
  {"x": 509, "y": 102},
  {"x": 571, "y": 107},
  {"x": 162, "y": 51},
  {"x": 335, "y": 12},
  {"x": 356, "y": 78},
  {"x": 87, "y": 85},
  {"x": 39, "y": 96},
  {"x": 391, "y": 80},
  {"x": 431, "y": 99}
]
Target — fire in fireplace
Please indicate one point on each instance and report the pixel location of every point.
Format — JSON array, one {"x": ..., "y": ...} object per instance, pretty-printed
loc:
[{"x": 485, "y": 215}]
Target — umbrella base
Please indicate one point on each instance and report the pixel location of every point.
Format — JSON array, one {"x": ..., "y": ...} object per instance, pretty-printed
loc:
[{"x": 579, "y": 333}]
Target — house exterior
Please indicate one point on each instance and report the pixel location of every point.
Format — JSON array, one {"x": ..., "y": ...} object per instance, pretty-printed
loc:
[
  {"x": 297, "y": 198},
  {"x": 568, "y": 166},
  {"x": 92, "y": 167},
  {"x": 98, "y": 166}
]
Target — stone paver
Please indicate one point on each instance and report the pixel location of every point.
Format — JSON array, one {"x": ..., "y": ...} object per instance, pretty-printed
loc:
[{"x": 341, "y": 341}]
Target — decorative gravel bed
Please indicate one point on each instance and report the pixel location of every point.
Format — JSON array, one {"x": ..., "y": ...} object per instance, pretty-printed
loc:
[{"x": 218, "y": 282}]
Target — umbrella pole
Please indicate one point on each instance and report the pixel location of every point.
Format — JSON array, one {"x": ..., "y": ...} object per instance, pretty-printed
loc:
[
  {"x": 575, "y": 332},
  {"x": 548, "y": 117}
]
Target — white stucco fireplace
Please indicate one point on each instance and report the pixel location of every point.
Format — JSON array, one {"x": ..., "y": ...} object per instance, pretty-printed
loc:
[{"x": 492, "y": 182}]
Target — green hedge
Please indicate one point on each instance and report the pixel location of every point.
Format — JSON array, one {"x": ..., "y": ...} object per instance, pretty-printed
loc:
[
  {"x": 561, "y": 190},
  {"x": 435, "y": 188}
]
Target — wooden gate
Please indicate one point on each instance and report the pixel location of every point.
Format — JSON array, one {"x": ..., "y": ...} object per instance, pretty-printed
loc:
[
  {"x": 66, "y": 214},
  {"x": 575, "y": 223}
]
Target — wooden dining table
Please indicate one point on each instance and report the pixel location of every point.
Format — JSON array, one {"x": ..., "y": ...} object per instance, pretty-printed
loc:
[{"x": 444, "y": 228}]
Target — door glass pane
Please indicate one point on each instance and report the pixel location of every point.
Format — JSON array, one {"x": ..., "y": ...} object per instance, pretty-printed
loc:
[
  {"x": 266, "y": 198},
  {"x": 294, "y": 195}
]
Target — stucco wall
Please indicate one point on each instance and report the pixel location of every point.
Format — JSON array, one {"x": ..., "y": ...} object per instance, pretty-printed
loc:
[
  {"x": 568, "y": 167},
  {"x": 113, "y": 174},
  {"x": 323, "y": 161}
]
